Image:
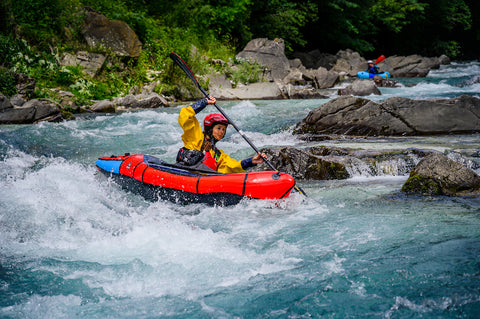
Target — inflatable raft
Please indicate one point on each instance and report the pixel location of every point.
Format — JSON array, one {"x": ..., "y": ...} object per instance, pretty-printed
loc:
[
  {"x": 367, "y": 75},
  {"x": 155, "y": 179}
]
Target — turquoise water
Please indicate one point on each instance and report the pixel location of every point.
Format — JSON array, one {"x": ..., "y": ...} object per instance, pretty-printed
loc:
[{"x": 75, "y": 245}]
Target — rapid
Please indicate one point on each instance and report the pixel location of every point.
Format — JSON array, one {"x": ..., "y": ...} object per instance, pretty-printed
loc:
[{"x": 73, "y": 244}]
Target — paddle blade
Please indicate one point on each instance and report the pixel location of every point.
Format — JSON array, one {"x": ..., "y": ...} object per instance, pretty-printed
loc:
[
  {"x": 179, "y": 61},
  {"x": 298, "y": 189},
  {"x": 380, "y": 59}
]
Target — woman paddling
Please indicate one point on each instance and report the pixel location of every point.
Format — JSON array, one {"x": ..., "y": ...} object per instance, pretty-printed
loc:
[{"x": 199, "y": 150}]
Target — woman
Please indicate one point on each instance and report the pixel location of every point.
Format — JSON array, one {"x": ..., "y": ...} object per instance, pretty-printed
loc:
[{"x": 199, "y": 150}]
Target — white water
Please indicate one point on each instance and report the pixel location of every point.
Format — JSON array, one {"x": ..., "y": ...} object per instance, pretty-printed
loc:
[{"x": 73, "y": 244}]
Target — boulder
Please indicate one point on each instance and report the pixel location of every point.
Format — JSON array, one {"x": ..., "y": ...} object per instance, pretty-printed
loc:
[
  {"x": 67, "y": 101},
  {"x": 412, "y": 65},
  {"x": 269, "y": 53},
  {"x": 315, "y": 59},
  {"x": 436, "y": 174},
  {"x": 325, "y": 163},
  {"x": 301, "y": 92},
  {"x": 90, "y": 62},
  {"x": 381, "y": 82},
  {"x": 151, "y": 101},
  {"x": 360, "y": 88},
  {"x": 99, "y": 31},
  {"x": 295, "y": 77},
  {"x": 321, "y": 78},
  {"x": 254, "y": 91},
  {"x": 395, "y": 116},
  {"x": 17, "y": 100},
  {"x": 295, "y": 63},
  {"x": 350, "y": 62},
  {"x": 304, "y": 164},
  {"x": 105, "y": 106},
  {"x": 218, "y": 82},
  {"x": 31, "y": 112},
  {"x": 144, "y": 100},
  {"x": 4, "y": 103}
]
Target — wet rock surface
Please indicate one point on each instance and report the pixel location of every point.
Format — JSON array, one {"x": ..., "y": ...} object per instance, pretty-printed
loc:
[
  {"x": 395, "y": 116},
  {"x": 437, "y": 174},
  {"x": 327, "y": 163}
]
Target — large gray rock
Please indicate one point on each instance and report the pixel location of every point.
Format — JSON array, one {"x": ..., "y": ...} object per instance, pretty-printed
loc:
[
  {"x": 217, "y": 83},
  {"x": 294, "y": 76},
  {"x": 324, "y": 163},
  {"x": 412, "y": 65},
  {"x": 254, "y": 91},
  {"x": 90, "y": 62},
  {"x": 104, "y": 106},
  {"x": 321, "y": 78},
  {"x": 31, "y": 112},
  {"x": 4, "y": 103},
  {"x": 315, "y": 59},
  {"x": 301, "y": 92},
  {"x": 17, "y": 100},
  {"x": 305, "y": 164},
  {"x": 116, "y": 35},
  {"x": 436, "y": 174},
  {"x": 360, "y": 88},
  {"x": 395, "y": 116},
  {"x": 144, "y": 101},
  {"x": 350, "y": 62},
  {"x": 269, "y": 53}
]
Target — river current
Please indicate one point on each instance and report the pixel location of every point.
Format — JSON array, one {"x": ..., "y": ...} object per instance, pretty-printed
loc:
[{"x": 73, "y": 244}]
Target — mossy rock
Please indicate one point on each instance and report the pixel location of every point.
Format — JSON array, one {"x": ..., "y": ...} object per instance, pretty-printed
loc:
[
  {"x": 417, "y": 184},
  {"x": 326, "y": 170},
  {"x": 68, "y": 116}
]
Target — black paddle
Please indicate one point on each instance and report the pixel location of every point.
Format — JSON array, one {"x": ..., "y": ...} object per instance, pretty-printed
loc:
[{"x": 179, "y": 61}]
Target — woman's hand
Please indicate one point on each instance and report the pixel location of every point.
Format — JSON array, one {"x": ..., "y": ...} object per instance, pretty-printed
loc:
[
  {"x": 211, "y": 100},
  {"x": 207, "y": 145},
  {"x": 259, "y": 158}
]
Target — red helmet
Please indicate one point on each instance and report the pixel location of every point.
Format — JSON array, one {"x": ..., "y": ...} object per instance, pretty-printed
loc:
[{"x": 212, "y": 119}]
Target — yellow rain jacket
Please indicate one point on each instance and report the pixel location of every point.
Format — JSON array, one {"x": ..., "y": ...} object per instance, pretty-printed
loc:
[{"x": 193, "y": 139}]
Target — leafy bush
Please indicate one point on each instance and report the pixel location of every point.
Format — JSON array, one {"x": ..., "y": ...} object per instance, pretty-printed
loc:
[
  {"x": 7, "y": 83},
  {"x": 9, "y": 49},
  {"x": 245, "y": 72},
  {"x": 38, "y": 19},
  {"x": 68, "y": 75}
]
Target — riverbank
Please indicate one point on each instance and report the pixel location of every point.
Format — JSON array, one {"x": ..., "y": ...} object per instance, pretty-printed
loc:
[{"x": 271, "y": 76}]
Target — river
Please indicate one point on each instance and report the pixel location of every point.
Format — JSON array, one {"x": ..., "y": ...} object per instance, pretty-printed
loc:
[{"x": 73, "y": 244}]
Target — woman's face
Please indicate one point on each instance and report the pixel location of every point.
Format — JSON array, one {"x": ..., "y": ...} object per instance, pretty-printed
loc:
[{"x": 219, "y": 131}]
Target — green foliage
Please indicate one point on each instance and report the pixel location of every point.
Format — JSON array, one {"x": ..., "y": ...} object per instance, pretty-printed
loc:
[
  {"x": 282, "y": 19},
  {"x": 7, "y": 83},
  {"x": 457, "y": 15},
  {"x": 345, "y": 24},
  {"x": 68, "y": 75},
  {"x": 34, "y": 34},
  {"x": 450, "y": 48},
  {"x": 395, "y": 14},
  {"x": 38, "y": 19},
  {"x": 245, "y": 72},
  {"x": 10, "y": 48}
]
